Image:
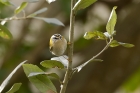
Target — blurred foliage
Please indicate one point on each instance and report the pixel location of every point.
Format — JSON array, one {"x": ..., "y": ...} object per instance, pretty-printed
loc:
[
  {"x": 81, "y": 43},
  {"x": 65, "y": 7},
  {"x": 31, "y": 37},
  {"x": 133, "y": 82}
]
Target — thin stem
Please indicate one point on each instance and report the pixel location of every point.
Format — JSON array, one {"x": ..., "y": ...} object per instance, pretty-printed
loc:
[
  {"x": 101, "y": 51},
  {"x": 84, "y": 64},
  {"x": 70, "y": 49},
  {"x": 14, "y": 18}
]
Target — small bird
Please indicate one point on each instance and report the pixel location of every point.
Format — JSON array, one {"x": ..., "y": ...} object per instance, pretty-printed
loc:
[{"x": 58, "y": 44}]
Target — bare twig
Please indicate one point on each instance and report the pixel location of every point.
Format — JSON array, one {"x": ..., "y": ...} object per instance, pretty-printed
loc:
[
  {"x": 92, "y": 59},
  {"x": 14, "y": 18},
  {"x": 70, "y": 49}
]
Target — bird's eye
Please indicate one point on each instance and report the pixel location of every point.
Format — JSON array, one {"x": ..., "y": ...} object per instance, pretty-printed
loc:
[{"x": 55, "y": 37}]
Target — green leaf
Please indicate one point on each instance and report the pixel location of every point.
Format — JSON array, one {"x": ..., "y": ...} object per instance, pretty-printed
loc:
[
  {"x": 94, "y": 34},
  {"x": 126, "y": 44},
  {"x": 114, "y": 43},
  {"x": 20, "y": 8},
  {"x": 89, "y": 35},
  {"x": 44, "y": 73},
  {"x": 42, "y": 82},
  {"x": 37, "y": 12},
  {"x": 5, "y": 2},
  {"x": 5, "y": 33},
  {"x": 5, "y": 82},
  {"x": 111, "y": 21},
  {"x": 50, "y": 20},
  {"x": 54, "y": 75},
  {"x": 50, "y": 1},
  {"x": 63, "y": 59},
  {"x": 81, "y": 4},
  {"x": 14, "y": 88},
  {"x": 52, "y": 64}
]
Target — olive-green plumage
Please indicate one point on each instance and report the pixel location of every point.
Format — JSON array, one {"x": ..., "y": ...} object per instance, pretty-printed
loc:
[{"x": 58, "y": 44}]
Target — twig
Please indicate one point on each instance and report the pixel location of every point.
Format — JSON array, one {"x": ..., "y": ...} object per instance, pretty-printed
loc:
[
  {"x": 70, "y": 49},
  {"x": 14, "y": 18},
  {"x": 84, "y": 64}
]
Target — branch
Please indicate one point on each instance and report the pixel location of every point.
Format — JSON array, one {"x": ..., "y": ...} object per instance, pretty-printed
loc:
[
  {"x": 92, "y": 59},
  {"x": 70, "y": 49},
  {"x": 14, "y": 18}
]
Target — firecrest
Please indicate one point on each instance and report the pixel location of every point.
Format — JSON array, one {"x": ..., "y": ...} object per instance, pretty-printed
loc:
[{"x": 58, "y": 44}]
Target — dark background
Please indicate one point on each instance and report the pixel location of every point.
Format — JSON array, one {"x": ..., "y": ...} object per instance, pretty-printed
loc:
[{"x": 118, "y": 73}]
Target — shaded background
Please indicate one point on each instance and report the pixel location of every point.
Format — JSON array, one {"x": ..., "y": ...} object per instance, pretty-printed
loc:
[{"x": 118, "y": 73}]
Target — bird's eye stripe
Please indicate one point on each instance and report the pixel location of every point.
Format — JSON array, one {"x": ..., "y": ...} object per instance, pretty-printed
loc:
[{"x": 57, "y": 36}]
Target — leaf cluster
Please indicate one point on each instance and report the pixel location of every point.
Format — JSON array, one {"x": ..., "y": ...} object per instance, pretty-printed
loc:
[{"x": 110, "y": 32}]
